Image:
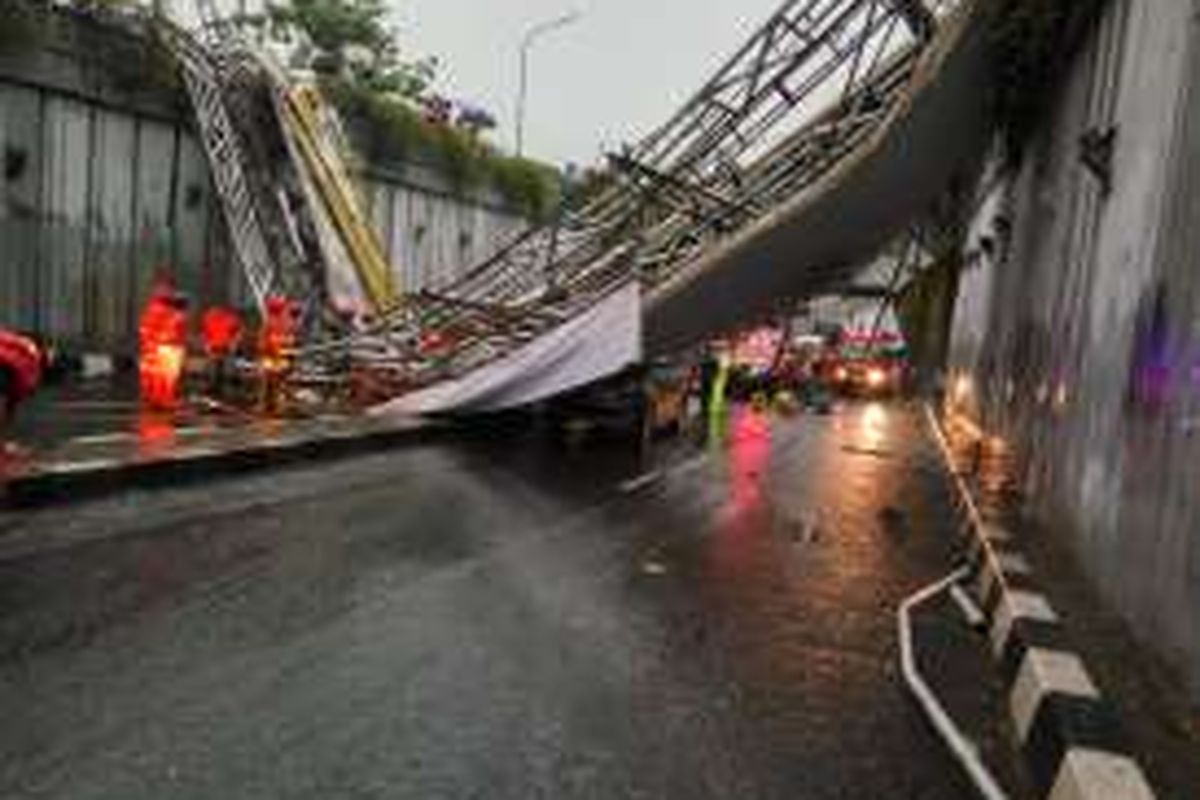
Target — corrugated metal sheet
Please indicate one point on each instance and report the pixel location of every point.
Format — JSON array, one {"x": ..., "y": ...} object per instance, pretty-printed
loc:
[
  {"x": 111, "y": 252},
  {"x": 432, "y": 238},
  {"x": 64, "y": 230},
  {"x": 190, "y": 221},
  {"x": 152, "y": 201},
  {"x": 20, "y": 192},
  {"x": 92, "y": 201}
]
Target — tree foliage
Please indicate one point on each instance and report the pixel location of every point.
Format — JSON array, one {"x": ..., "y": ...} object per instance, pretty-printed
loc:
[
  {"x": 387, "y": 100},
  {"x": 388, "y": 129},
  {"x": 137, "y": 63},
  {"x": 22, "y": 22},
  {"x": 352, "y": 40}
]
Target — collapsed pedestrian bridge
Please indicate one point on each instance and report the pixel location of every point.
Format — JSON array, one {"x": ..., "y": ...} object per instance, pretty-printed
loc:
[{"x": 834, "y": 127}]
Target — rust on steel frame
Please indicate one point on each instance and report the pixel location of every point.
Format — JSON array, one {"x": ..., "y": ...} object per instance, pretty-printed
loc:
[{"x": 810, "y": 86}]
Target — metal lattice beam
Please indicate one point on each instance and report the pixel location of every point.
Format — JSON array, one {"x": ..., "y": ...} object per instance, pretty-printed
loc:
[{"x": 808, "y": 88}]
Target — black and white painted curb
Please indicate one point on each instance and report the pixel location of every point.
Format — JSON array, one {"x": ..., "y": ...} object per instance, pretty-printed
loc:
[{"x": 1068, "y": 731}]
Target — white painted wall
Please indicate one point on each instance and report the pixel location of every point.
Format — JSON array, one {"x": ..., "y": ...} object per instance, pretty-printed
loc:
[{"x": 1067, "y": 313}]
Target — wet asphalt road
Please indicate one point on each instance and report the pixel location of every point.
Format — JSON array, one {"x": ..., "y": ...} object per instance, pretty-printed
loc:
[{"x": 487, "y": 620}]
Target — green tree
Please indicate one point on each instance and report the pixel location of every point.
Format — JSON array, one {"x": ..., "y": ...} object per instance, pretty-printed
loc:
[
  {"x": 387, "y": 100},
  {"x": 353, "y": 40},
  {"x": 21, "y": 22}
]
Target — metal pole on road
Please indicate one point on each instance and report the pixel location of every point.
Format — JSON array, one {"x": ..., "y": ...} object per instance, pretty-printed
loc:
[{"x": 527, "y": 42}]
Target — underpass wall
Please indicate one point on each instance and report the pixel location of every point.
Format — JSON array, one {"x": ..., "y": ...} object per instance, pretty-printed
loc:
[
  {"x": 431, "y": 233},
  {"x": 1076, "y": 332},
  {"x": 100, "y": 182},
  {"x": 102, "y": 179}
]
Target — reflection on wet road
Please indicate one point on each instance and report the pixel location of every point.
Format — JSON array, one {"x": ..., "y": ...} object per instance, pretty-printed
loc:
[{"x": 487, "y": 620}]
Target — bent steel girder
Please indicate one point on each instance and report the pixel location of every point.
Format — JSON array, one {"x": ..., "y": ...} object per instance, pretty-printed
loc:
[
  {"x": 819, "y": 239},
  {"x": 809, "y": 87},
  {"x": 809, "y": 54},
  {"x": 692, "y": 147}
]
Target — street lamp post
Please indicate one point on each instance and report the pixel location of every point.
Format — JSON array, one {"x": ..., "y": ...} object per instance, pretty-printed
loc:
[{"x": 527, "y": 42}]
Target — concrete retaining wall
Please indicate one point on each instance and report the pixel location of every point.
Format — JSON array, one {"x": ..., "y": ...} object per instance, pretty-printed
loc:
[
  {"x": 431, "y": 234},
  {"x": 102, "y": 179},
  {"x": 1076, "y": 323}
]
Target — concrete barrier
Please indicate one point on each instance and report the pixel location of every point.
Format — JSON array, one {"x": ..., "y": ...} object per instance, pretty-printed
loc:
[{"x": 1069, "y": 733}]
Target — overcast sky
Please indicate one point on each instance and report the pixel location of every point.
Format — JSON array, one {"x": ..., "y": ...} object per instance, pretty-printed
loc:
[{"x": 610, "y": 77}]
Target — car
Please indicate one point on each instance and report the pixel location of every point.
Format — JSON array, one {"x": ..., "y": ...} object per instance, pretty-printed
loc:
[{"x": 869, "y": 377}]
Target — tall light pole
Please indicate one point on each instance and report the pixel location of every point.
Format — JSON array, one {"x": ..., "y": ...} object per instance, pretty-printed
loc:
[{"x": 527, "y": 42}]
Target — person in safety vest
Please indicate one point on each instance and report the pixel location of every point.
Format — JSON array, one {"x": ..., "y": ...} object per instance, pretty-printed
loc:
[
  {"x": 21, "y": 366},
  {"x": 162, "y": 332},
  {"x": 221, "y": 329},
  {"x": 276, "y": 340}
]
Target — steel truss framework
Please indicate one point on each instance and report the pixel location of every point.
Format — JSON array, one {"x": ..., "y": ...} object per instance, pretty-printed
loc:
[{"x": 809, "y": 87}]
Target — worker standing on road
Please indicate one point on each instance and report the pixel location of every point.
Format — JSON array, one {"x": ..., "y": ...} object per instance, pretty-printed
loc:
[
  {"x": 276, "y": 341},
  {"x": 221, "y": 329},
  {"x": 21, "y": 365},
  {"x": 162, "y": 332}
]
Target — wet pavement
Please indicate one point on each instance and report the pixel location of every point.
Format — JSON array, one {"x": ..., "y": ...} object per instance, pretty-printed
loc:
[
  {"x": 82, "y": 420},
  {"x": 84, "y": 438},
  {"x": 83, "y": 409},
  {"x": 495, "y": 618}
]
